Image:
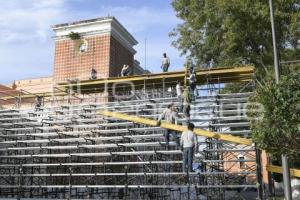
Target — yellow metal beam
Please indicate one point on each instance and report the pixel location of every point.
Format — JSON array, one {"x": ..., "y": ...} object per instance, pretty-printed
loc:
[
  {"x": 230, "y": 73},
  {"x": 278, "y": 169},
  {"x": 215, "y": 75},
  {"x": 200, "y": 132}
]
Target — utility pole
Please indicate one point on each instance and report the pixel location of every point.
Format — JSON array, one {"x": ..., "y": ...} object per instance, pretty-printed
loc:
[
  {"x": 284, "y": 158},
  {"x": 276, "y": 65},
  {"x": 145, "y": 64}
]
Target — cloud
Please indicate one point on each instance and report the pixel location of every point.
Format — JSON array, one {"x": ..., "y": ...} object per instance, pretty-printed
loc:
[
  {"x": 28, "y": 20},
  {"x": 152, "y": 24},
  {"x": 138, "y": 19},
  {"x": 26, "y": 44}
]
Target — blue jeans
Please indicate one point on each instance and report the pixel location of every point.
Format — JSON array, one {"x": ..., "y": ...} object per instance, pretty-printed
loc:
[
  {"x": 192, "y": 91},
  {"x": 174, "y": 135},
  {"x": 187, "y": 158},
  {"x": 165, "y": 67},
  {"x": 180, "y": 103}
]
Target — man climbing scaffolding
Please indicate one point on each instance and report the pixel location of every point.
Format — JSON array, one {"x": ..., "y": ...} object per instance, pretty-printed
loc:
[
  {"x": 125, "y": 71},
  {"x": 187, "y": 103},
  {"x": 170, "y": 115}
]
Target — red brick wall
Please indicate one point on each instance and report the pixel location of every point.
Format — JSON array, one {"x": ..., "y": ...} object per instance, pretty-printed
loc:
[
  {"x": 119, "y": 56},
  {"x": 104, "y": 53},
  {"x": 235, "y": 166},
  {"x": 69, "y": 63}
]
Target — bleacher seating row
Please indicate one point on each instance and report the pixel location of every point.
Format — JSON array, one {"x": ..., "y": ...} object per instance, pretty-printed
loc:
[{"x": 73, "y": 147}]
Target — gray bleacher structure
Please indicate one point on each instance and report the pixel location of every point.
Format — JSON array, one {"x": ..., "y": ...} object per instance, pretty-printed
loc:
[{"x": 70, "y": 151}]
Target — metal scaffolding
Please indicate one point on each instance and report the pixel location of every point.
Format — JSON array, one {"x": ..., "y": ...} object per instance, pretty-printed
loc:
[{"x": 75, "y": 151}]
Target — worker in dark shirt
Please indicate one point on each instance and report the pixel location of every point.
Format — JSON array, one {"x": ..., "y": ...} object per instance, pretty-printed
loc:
[{"x": 93, "y": 74}]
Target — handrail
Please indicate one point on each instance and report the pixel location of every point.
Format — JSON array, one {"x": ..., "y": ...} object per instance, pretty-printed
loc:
[
  {"x": 228, "y": 74},
  {"x": 179, "y": 128},
  {"x": 243, "y": 70},
  {"x": 278, "y": 169}
]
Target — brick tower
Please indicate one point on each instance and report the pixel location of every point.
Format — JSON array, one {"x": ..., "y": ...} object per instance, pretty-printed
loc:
[{"x": 101, "y": 43}]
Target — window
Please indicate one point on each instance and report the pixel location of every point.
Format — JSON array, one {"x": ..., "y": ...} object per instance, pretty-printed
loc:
[
  {"x": 242, "y": 162},
  {"x": 83, "y": 47}
]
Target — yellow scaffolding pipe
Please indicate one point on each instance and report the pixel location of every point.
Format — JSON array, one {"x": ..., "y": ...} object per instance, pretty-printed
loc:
[
  {"x": 278, "y": 169},
  {"x": 237, "y": 74},
  {"x": 200, "y": 132},
  {"x": 219, "y": 75}
]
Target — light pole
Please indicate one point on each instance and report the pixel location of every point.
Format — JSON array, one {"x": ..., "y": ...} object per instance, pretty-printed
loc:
[
  {"x": 284, "y": 158},
  {"x": 145, "y": 64}
]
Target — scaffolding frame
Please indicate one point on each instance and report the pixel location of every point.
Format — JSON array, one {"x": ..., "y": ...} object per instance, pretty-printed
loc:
[{"x": 72, "y": 151}]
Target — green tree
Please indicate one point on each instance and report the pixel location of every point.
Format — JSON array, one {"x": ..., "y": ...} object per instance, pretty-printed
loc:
[
  {"x": 234, "y": 32},
  {"x": 277, "y": 128}
]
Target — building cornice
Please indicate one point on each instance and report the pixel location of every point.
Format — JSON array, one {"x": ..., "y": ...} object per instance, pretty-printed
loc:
[
  {"x": 99, "y": 25},
  {"x": 111, "y": 32}
]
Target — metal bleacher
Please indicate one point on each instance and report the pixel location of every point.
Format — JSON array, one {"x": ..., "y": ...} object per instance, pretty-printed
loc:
[
  {"x": 74, "y": 151},
  {"x": 61, "y": 152}
]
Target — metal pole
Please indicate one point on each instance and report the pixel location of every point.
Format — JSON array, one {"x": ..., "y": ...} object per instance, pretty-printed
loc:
[
  {"x": 163, "y": 94},
  {"x": 145, "y": 64},
  {"x": 19, "y": 196},
  {"x": 286, "y": 177},
  {"x": 188, "y": 181},
  {"x": 270, "y": 180},
  {"x": 70, "y": 183},
  {"x": 126, "y": 184},
  {"x": 276, "y": 65},
  {"x": 284, "y": 158},
  {"x": 185, "y": 74},
  {"x": 144, "y": 88},
  {"x": 258, "y": 172}
]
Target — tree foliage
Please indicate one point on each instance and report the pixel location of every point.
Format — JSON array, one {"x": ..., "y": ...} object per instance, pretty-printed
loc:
[
  {"x": 74, "y": 36},
  {"x": 277, "y": 128},
  {"x": 233, "y": 32}
]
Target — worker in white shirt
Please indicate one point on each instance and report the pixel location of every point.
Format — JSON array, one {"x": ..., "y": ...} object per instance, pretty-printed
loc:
[
  {"x": 125, "y": 71},
  {"x": 187, "y": 103},
  {"x": 170, "y": 115},
  {"x": 179, "y": 96},
  {"x": 165, "y": 63},
  {"x": 188, "y": 141}
]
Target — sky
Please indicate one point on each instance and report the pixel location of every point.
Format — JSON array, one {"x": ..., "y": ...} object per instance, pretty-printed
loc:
[{"x": 26, "y": 37}]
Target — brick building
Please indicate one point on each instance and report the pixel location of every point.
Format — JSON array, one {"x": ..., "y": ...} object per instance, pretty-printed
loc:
[{"x": 104, "y": 45}]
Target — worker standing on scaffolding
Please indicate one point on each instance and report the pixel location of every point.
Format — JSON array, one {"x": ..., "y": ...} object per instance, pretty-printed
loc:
[
  {"x": 188, "y": 142},
  {"x": 179, "y": 96},
  {"x": 38, "y": 102},
  {"x": 170, "y": 115},
  {"x": 193, "y": 82},
  {"x": 191, "y": 67},
  {"x": 93, "y": 74},
  {"x": 187, "y": 103},
  {"x": 165, "y": 63},
  {"x": 125, "y": 70}
]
